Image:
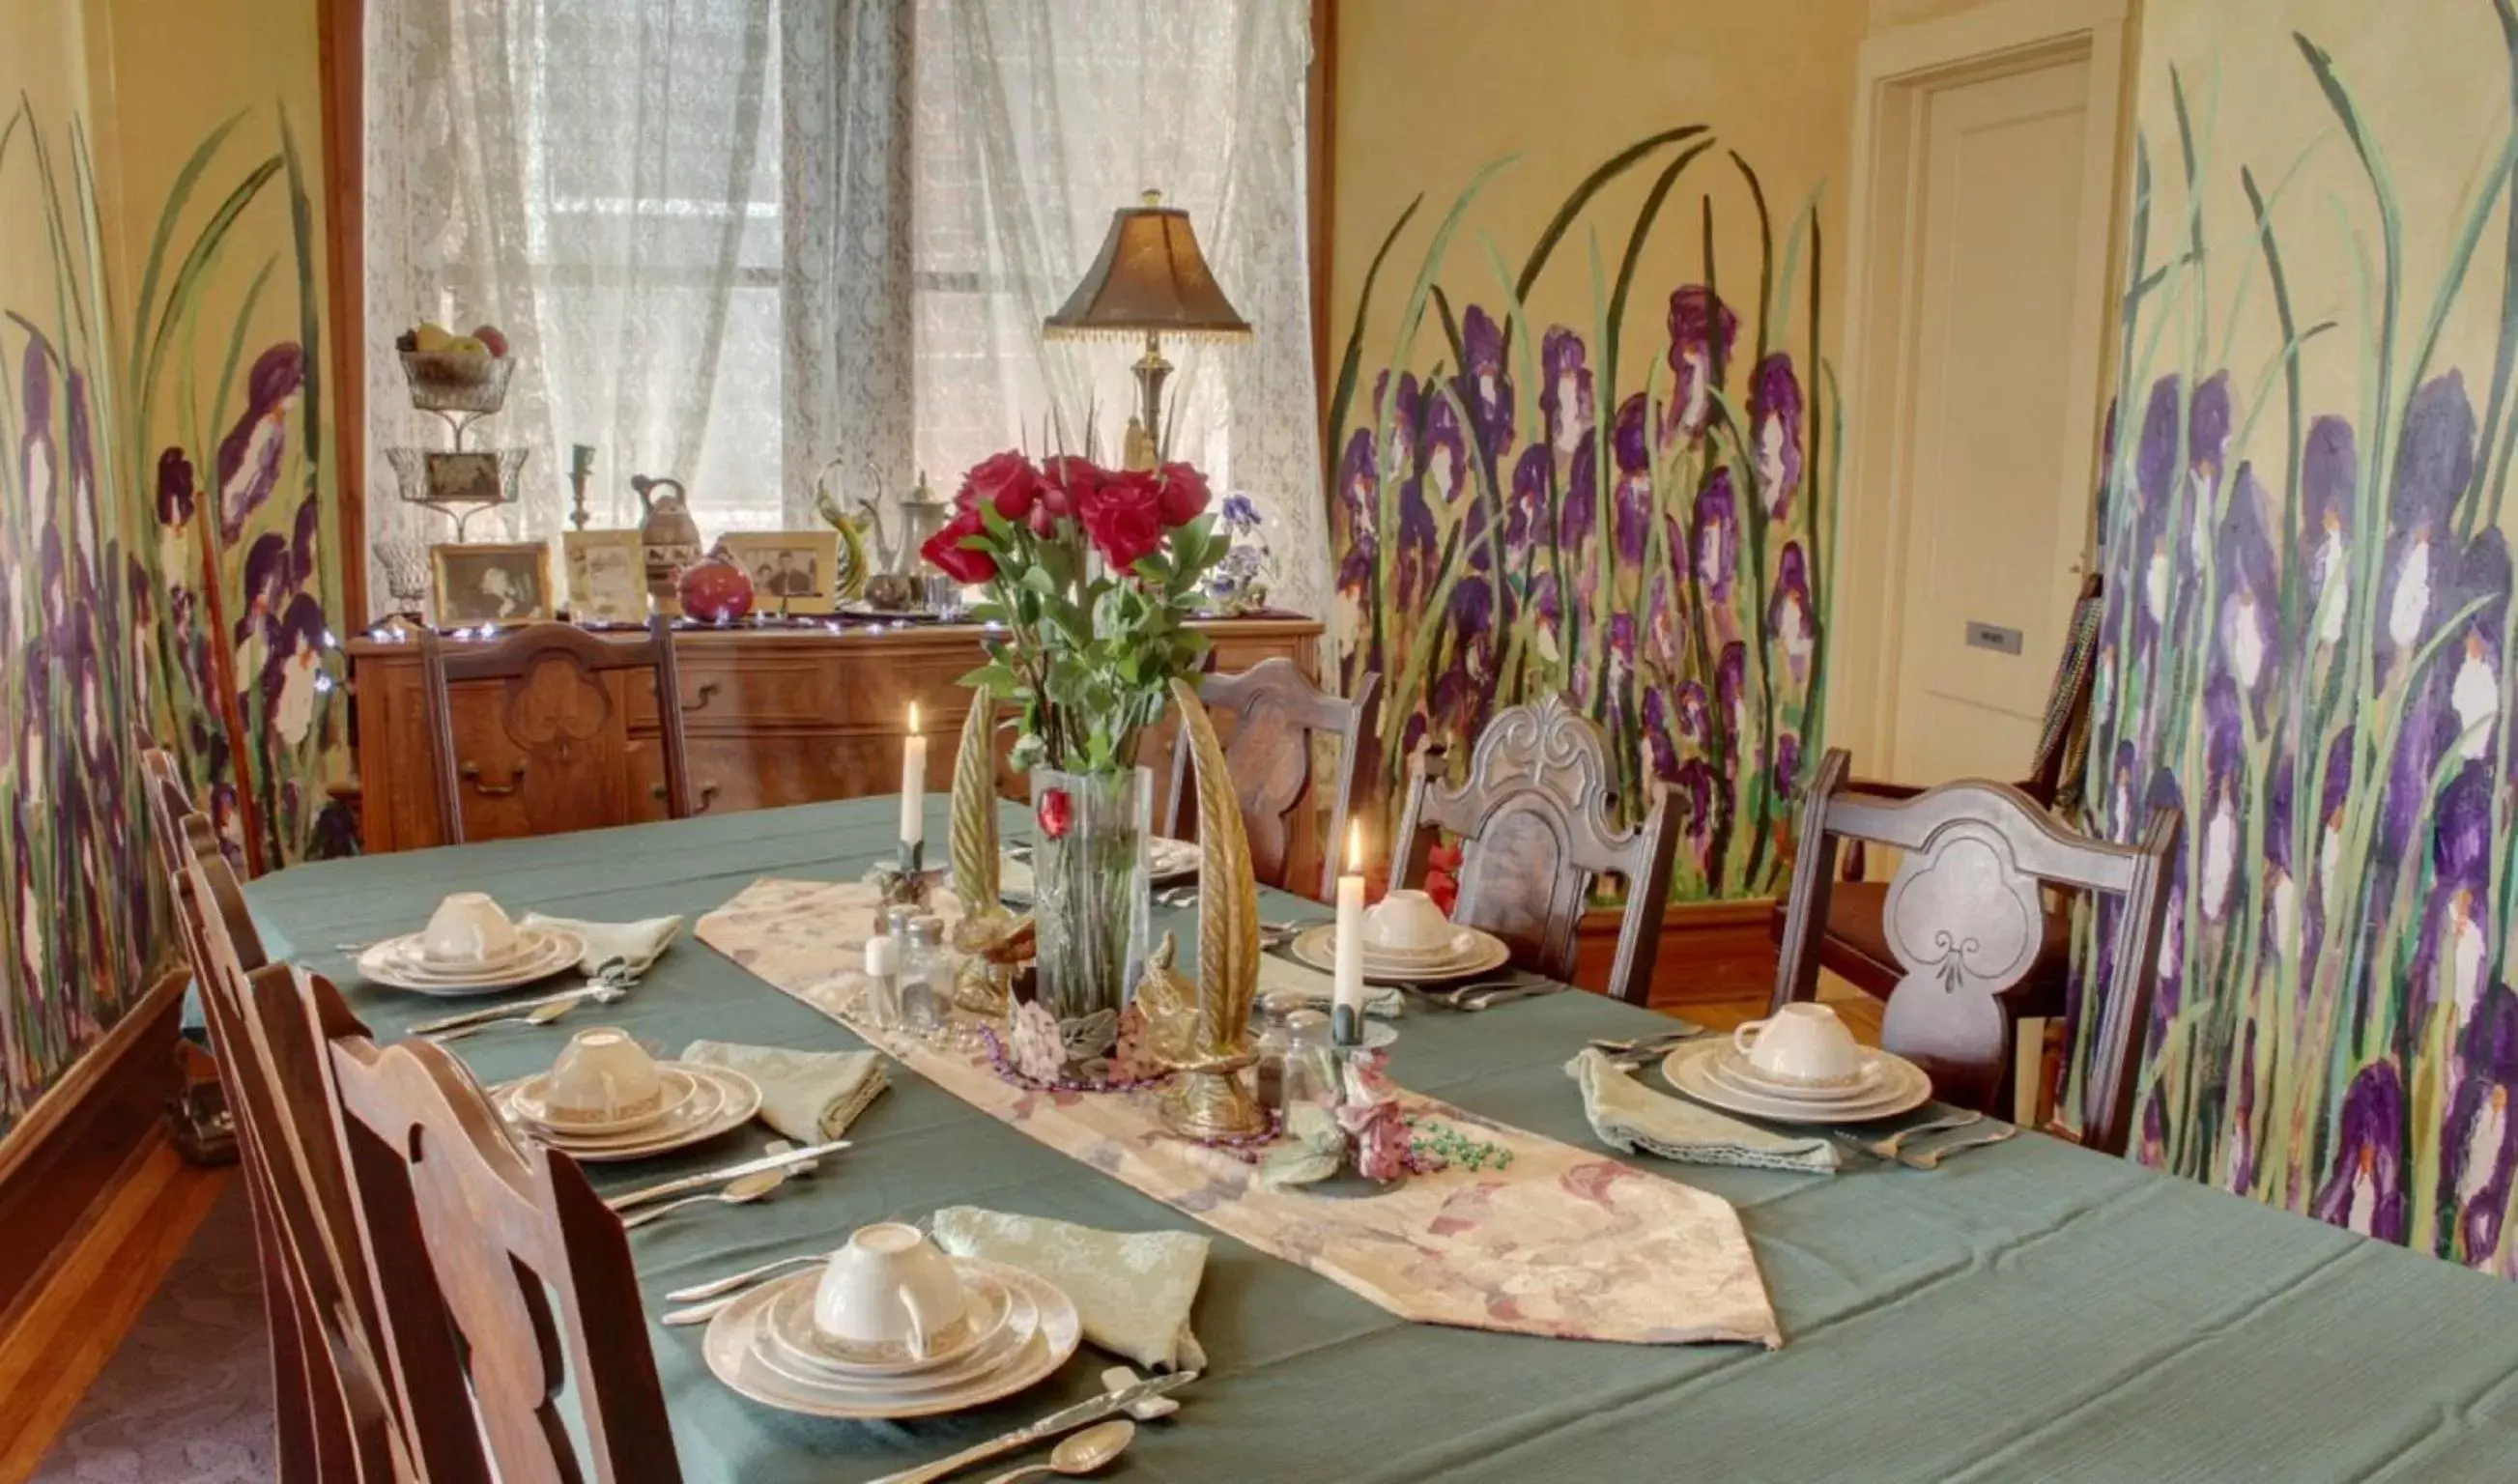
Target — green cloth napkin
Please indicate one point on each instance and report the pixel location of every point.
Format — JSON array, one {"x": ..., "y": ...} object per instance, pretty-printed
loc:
[
  {"x": 1382, "y": 1001},
  {"x": 1133, "y": 1289},
  {"x": 1630, "y": 1117},
  {"x": 809, "y": 1096},
  {"x": 640, "y": 944}
]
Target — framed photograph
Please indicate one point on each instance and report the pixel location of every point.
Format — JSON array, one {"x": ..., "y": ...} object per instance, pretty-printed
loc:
[
  {"x": 607, "y": 576},
  {"x": 505, "y": 582},
  {"x": 792, "y": 571}
]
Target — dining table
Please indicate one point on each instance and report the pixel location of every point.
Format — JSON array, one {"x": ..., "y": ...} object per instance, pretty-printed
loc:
[{"x": 2027, "y": 1310}]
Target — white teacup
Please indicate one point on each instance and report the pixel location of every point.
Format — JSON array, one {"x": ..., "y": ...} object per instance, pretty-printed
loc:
[
  {"x": 1407, "y": 921},
  {"x": 889, "y": 1287},
  {"x": 1801, "y": 1042},
  {"x": 469, "y": 928},
  {"x": 603, "y": 1076}
]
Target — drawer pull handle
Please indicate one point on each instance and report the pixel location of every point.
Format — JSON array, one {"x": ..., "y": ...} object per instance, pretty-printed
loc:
[
  {"x": 515, "y": 782},
  {"x": 703, "y": 796},
  {"x": 700, "y": 696}
]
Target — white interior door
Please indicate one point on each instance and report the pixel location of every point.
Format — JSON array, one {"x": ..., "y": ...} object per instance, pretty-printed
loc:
[{"x": 1987, "y": 205}]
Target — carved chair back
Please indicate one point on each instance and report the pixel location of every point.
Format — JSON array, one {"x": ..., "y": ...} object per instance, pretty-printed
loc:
[
  {"x": 555, "y": 756},
  {"x": 341, "y": 1416},
  {"x": 1536, "y": 817},
  {"x": 1964, "y": 918},
  {"x": 503, "y": 1274},
  {"x": 1269, "y": 715}
]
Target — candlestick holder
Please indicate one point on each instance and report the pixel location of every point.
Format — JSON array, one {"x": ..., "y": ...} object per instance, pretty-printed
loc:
[{"x": 906, "y": 882}]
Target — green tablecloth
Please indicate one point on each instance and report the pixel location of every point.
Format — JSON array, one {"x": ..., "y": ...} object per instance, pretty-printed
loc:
[{"x": 2031, "y": 1311}]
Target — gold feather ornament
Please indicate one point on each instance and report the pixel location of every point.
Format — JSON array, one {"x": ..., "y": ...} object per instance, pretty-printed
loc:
[
  {"x": 993, "y": 941},
  {"x": 1205, "y": 1034}
]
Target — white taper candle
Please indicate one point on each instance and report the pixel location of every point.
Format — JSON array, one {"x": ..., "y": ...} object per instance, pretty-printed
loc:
[
  {"x": 913, "y": 783},
  {"x": 1346, "y": 985}
]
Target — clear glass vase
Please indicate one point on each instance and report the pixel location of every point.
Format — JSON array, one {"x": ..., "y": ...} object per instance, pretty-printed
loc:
[{"x": 1091, "y": 900}]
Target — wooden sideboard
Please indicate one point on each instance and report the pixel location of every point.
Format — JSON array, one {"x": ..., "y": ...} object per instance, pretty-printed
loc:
[{"x": 773, "y": 716}]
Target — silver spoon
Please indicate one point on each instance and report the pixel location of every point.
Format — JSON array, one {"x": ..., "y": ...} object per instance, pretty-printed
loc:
[
  {"x": 1078, "y": 1453},
  {"x": 539, "y": 1015},
  {"x": 715, "y": 1286},
  {"x": 740, "y": 1191}
]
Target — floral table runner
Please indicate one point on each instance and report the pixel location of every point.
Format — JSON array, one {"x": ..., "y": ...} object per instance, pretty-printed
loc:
[{"x": 1561, "y": 1241}]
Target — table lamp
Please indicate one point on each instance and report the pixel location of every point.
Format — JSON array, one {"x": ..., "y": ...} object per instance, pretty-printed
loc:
[{"x": 1149, "y": 280}]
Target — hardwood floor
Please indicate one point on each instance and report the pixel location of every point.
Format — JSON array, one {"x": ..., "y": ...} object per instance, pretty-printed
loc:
[{"x": 63, "y": 1338}]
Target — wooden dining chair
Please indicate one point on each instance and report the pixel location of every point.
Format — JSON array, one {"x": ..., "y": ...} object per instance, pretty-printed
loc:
[
  {"x": 557, "y": 758},
  {"x": 503, "y": 1275},
  {"x": 1856, "y": 945},
  {"x": 1536, "y": 817},
  {"x": 1964, "y": 918},
  {"x": 339, "y": 1410},
  {"x": 1271, "y": 716}
]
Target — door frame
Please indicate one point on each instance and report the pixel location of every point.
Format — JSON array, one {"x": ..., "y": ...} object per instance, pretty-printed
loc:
[{"x": 1898, "y": 70}]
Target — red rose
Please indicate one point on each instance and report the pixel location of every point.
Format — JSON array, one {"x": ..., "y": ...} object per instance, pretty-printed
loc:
[
  {"x": 1066, "y": 483},
  {"x": 1124, "y": 517},
  {"x": 955, "y": 560},
  {"x": 1057, "y": 813},
  {"x": 1006, "y": 480},
  {"x": 1184, "y": 493}
]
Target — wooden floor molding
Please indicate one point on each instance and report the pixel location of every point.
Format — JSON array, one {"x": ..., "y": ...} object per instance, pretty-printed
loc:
[
  {"x": 62, "y": 1160},
  {"x": 66, "y": 1331}
]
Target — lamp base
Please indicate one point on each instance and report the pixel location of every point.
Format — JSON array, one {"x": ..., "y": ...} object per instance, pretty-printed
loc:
[{"x": 1144, "y": 448}]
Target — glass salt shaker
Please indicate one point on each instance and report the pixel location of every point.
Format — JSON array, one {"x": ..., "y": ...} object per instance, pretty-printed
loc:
[
  {"x": 882, "y": 998},
  {"x": 1311, "y": 1065},
  {"x": 926, "y": 976}
]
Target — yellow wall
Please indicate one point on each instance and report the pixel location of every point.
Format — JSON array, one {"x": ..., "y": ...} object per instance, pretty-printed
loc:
[{"x": 1430, "y": 91}]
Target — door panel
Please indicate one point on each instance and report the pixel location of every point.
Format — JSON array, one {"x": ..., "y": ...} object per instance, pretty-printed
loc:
[{"x": 1996, "y": 505}]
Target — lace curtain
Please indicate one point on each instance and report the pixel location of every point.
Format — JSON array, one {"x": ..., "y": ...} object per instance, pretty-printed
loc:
[
  {"x": 602, "y": 183},
  {"x": 735, "y": 241},
  {"x": 1036, "y": 120}
]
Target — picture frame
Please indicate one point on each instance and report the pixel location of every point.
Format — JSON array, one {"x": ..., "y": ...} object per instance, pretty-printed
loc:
[
  {"x": 790, "y": 571},
  {"x": 607, "y": 576},
  {"x": 489, "y": 582}
]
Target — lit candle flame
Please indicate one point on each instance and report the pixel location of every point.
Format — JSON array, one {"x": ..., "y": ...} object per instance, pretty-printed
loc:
[
  {"x": 1355, "y": 847},
  {"x": 913, "y": 718}
]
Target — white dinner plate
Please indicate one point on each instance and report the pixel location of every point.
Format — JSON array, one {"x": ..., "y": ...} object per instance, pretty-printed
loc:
[
  {"x": 731, "y": 1351},
  {"x": 727, "y": 1100},
  {"x": 1690, "y": 1067},
  {"x": 1473, "y": 952},
  {"x": 789, "y": 1341},
  {"x": 391, "y": 963}
]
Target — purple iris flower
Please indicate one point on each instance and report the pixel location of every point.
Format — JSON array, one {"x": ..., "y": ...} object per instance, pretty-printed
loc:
[
  {"x": 1579, "y": 514},
  {"x": 1564, "y": 396},
  {"x": 1702, "y": 328},
  {"x": 1484, "y": 386},
  {"x": 2454, "y": 920},
  {"x": 1360, "y": 491},
  {"x": 2477, "y": 1154},
  {"x": 1657, "y": 744},
  {"x": 269, "y": 576},
  {"x": 1696, "y": 795},
  {"x": 2364, "y": 1191},
  {"x": 2329, "y": 476},
  {"x": 1775, "y": 433},
  {"x": 2434, "y": 460},
  {"x": 1693, "y": 714},
  {"x": 1522, "y": 517},
  {"x": 1787, "y": 763},
  {"x": 1714, "y": 538},
  {"x": 1731, "y": 691},
  {"x": 249, "y": 454},
  {"x": 1635, "y": 493},
  {"x": 1789, "y": 617},
  {"x": 2246, "y": 646}
]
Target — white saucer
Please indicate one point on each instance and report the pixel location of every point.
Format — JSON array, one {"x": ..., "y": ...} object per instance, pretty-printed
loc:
[
  {"x": 725, "y": 1100},
  {"x": 733, "y": 1354},
  {"x": 1729, "y": 1067},
  {"x": 1691, "y": 1069},
  {"x": 1470, "y": 952},
  {"x": 530, "y": 1102},
  {"x": 1006, "y": 1318},
  {"x": 395, "y": 962}
]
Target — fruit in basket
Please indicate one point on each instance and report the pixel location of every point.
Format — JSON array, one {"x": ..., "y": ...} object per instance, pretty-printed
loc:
[
  {"x": 466, "y": 345},
  {"x": 431, "y": 338},
  {"x": 715, "y": 590},
  {"x": 492, "y": 341}
]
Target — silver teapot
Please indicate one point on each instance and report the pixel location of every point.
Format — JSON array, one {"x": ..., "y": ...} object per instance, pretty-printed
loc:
[{"x": 922, "y": 514}]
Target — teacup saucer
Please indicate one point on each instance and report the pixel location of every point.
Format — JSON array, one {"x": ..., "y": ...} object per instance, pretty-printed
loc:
[
  {"x": 396, "y": 964},
  {"x": 725, "y": 1100},
  {"x": 999, "y": 1316},
  {"x": 530, "y": 1102},
  {"x": 1728, "y": 1066},
  {"x": 1690, "y": 1068}
]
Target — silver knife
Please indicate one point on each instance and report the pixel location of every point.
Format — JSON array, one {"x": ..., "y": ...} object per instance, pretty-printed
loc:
[
  {"x": 688, "y": 1183},
  {"x": 1055, "y": 1423},
  {"x": 501, "y": 1011}
]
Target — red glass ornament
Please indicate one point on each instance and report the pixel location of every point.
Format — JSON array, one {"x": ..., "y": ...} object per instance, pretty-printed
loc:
[{"x": 715, "y": 590}]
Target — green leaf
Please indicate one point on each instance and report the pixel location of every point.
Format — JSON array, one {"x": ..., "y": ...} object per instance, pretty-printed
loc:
[{"x": 996, "y": 678}]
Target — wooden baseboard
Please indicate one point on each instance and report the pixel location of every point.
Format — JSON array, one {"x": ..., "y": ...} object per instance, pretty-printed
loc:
[
  {"x": 72, "y": 1149},
  {"x": 1713, "y": 950}
]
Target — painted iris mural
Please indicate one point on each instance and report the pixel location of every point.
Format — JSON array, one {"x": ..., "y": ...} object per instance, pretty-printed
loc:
[
  {"x": 2308, "y": 647},
  {"x": 165, "y": 569},
  {"x": 1558, "y": 509}
]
